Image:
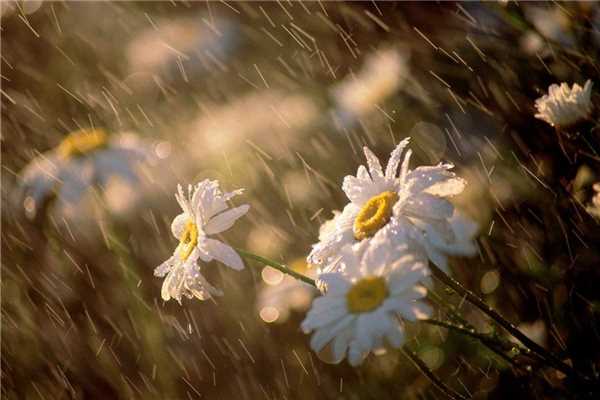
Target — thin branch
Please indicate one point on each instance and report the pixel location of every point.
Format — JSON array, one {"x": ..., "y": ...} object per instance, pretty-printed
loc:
[
  {"x": 442, "y": 387},
  {"x": 510, "y": 327}
]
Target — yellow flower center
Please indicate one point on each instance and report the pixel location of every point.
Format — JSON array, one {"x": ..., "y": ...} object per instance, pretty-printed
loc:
[
  {"x": 82, "y": 142},
  {"x": 366, "y": 295},
  {"x": 188, "y": 240},
  {"x": 374, "y": 214}
]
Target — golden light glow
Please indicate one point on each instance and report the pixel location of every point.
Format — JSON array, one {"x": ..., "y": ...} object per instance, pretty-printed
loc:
[
  {"x": 366, "y": 295},
  {"x": 374, "y": 214},
  {"x": 82, "y": 142},
  {"x": 188, "y": 241},
  {"x": 271, "y": 276},
  {"x": 269, "y": 314}
]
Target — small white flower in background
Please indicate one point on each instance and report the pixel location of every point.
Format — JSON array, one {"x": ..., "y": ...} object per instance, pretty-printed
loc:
[
  {"x": 205, "y": 213},
  {"x": 281, "y": 294},
  {"x": 151, "y": 54},
  {"x": 594, "y": 207},
  {"x": 364, "y": 308},
  {"x": 84, "y": 158},
  {"x": 380, "y": 77},
  {"x": 389, "y": 210},
  {"x": 564, "y": 106}
]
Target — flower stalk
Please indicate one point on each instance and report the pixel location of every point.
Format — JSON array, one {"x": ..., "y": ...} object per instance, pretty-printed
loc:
[
  {"x": 472, "y": 298},
  {"x": 437, "y": 382},
  {"x": 278, "y": 266}
]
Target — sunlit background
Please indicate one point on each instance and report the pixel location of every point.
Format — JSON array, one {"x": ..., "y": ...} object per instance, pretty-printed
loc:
[{"x": 279, "y": 98}]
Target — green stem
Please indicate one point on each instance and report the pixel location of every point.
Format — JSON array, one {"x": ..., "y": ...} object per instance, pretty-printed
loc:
[
  {"x": 451, "y": 309},
  {"x": 550, "y": 358},
  {"x": 437, "y": 382},
  {"x": 277, "y": 266},
  {"x": 496, "y": 345}
]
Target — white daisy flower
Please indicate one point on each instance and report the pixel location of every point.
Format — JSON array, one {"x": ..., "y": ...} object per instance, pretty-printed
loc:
[
  {"x": 388, "y": 210},
  {"x": 281, "y": 293},
  {"x": 205, "y": 213},
  {"x": 84, "y": 158},
  {"x": 594, "y": 207},
  {"x": 564, "y": 106},
  {"x": 364, "y": 308}
]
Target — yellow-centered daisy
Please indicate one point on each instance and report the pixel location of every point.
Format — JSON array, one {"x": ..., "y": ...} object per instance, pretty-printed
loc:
[
  {"x": 82, "y": 142},
  {"x": 205, "y": 213},
  {"x": 84, "y": 158},
  {"x": 365, "y": 307},
  {"x": 395, "y": 207}
]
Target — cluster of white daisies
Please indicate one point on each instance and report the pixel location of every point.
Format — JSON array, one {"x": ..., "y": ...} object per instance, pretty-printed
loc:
[{"x": 372, "y": 259}]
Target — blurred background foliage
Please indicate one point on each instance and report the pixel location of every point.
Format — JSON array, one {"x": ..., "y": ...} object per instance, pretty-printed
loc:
[{"x": 278, "y": 98}]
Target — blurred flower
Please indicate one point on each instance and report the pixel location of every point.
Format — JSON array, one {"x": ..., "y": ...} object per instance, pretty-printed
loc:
[
  {"x": 532, "y": 43},
  {"x": 183, "y": 46},
  {"x": 380, "y": 77},
  {"x": 594, "y": 207},
  {"x": 8, "y": 7},
  {"x": 364, "y": 308},
  {"x": 552, "y": 22},
  {"x": 282, "y": 293},
  {"x": 205, "y": 212},
  {"x": 564, "y": 106},
  {"x": 390, "y": 211},
  {"x": 84, "y": 158},
  {"x": 222, "y": 127}
]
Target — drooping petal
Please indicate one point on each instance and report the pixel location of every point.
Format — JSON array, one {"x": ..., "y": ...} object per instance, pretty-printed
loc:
[
  {"x": 173, "y": 284},
  {"x": 200, "y": 288},
  {"x": 225, "y": 220},
  {"x": 165, "y": 267},
  {"x": 223, "y": 253}
]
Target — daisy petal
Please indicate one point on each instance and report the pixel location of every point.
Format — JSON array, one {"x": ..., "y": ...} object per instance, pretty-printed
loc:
[
  {"x": 373, "y": 163},
  {"x": 223, "y": 253},
  {"x": 178, "y": 224},
  {"x": 394, "y": 161},
  {"x": 225, "y": 220}
]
